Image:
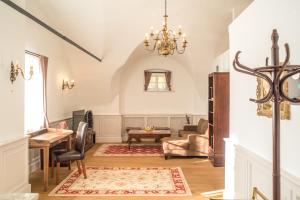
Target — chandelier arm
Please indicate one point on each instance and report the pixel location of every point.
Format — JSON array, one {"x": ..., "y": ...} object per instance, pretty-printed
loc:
[{"x": 165, "y": 40}]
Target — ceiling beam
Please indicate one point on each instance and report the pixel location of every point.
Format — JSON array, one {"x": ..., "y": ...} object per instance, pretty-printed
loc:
[{"x": 49, "y": 28}]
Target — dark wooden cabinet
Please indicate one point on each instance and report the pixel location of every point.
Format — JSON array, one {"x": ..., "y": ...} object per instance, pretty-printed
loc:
[
  {"x": 90, "y": 139},
  {"x": 218, "y": 116}
]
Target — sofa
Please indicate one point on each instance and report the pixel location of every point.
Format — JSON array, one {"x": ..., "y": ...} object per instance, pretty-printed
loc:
[{"x": 192, "y": 141}]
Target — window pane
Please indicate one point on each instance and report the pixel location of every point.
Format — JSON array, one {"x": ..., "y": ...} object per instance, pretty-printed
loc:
[
  {"x": 158, "y": 82},
  {"x": 161, "y": 86},
  {"x": 34, "y": 116}
]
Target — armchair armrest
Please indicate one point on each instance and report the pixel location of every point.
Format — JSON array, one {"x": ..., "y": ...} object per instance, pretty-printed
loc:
[
  {"x": 198, "y": 143},
  {"x": 190, "y": 128},
  {"x": 193, "y": 137}
]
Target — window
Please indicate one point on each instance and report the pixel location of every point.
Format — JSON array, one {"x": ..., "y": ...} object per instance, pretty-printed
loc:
[
  {"x": 157, "y": 80},
  {"x": 34, "y": 112}
]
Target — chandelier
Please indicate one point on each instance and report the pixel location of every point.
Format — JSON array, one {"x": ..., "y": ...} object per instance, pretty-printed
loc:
[{"x": 166, "y": 41}]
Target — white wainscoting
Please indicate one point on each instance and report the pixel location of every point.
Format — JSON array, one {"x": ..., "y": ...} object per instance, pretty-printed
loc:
[
  {"x": 108, "y": 128},
  {"x": 14, "y": 172},
  {"x": 111, "y": 128},
  {"x": 245, "y": 170},
  {"x": 174, "y": 121}
]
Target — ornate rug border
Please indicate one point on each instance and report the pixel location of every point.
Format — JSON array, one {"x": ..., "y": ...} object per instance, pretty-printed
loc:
[
  {"x": 126, "y": 155},
  {"x": 187, "y": 187}
]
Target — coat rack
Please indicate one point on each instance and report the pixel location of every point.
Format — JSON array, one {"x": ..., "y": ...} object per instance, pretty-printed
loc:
[{"x": 279, "y": 74}]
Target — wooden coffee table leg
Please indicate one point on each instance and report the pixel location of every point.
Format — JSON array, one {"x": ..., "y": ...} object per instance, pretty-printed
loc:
[{"x": 129, "y": 142}]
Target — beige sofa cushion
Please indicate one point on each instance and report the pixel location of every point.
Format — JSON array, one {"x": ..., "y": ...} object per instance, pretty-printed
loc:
[{"x": 202, "y": 126}]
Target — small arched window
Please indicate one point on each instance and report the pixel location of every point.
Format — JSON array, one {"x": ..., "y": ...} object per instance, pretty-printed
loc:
[{"x": 157, "y": 80}]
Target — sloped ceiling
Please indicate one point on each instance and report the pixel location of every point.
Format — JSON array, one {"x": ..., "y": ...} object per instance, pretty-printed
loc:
[
  {"x": 113, "y": 29},
  {"x": 91, "y": 23}
]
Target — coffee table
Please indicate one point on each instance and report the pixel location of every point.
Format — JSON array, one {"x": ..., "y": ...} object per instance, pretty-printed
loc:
[{"x": 139, "y": 134}]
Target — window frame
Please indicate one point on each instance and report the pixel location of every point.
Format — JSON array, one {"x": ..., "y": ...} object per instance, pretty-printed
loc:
[
  {"x": 41, "y": 128},
  {"x": 158, "y": 71}
]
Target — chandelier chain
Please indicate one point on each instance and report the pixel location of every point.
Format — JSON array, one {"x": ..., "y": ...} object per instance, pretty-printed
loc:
[{"x": 165, "y": 7}]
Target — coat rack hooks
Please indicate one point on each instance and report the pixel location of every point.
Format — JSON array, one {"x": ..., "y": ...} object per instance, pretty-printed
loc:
[{"x": 275, "y": 94}]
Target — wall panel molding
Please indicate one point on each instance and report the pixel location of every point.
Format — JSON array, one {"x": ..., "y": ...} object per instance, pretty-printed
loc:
[
  {"x": 14, "y": 166},
  {"x": 245, "y": 170}
]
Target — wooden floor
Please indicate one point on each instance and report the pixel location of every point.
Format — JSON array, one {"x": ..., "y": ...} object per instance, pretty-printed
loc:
[{"x": 201, "y": 176}]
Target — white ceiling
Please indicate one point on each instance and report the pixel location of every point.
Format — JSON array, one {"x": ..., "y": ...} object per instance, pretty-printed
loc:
[{"x": 92, "y": 23}]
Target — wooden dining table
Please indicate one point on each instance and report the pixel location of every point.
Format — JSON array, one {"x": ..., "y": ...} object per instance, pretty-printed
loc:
[{"x": 48, "y": 138}]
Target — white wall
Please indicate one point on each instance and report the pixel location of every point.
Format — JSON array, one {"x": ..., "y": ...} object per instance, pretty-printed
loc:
[
  {"x": 61, "y": 103},
  {"x": 251, "y": 33},
  {"x": 223, "y": 61},
  {"x": 12, "y": 95},
  {"x": 13, "y": 144},
  {"x": 134, "y": 100},
  {"x": 114, "y": 32}
]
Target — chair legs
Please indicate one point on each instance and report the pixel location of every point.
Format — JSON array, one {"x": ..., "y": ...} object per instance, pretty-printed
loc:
[
  {"x": 52, "y": 168},
  {"x": 78, "y": 166},
  {"x": 83, "y": 168},
  {"x": 57, "y": 172}
]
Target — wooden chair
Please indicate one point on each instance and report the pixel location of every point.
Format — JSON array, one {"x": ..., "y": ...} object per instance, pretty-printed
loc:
[{"x": 74, "y": 155}]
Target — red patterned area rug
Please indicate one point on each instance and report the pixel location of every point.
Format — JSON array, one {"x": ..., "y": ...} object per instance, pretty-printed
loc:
[
  {"x": 135, "y": 150},
  {"x": 116, "y": 181}
]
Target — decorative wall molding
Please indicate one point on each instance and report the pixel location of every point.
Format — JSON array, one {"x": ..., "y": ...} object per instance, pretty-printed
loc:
[
  {"x": 108, "y": 128},
  {"x": 14, "y": 171},
  {"x": 245, "y": 170},
  {"x": 174, "y": 121}
]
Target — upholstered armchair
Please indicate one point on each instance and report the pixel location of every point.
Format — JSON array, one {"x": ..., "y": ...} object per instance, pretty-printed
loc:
[
  {"x": 193, "y": 142},
  {"x": 201, "y": 128}
]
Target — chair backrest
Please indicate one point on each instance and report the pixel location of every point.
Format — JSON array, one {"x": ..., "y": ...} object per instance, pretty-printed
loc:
[
  {"x": 202, "y": 126},
  {"x": 80, "y": 137}
]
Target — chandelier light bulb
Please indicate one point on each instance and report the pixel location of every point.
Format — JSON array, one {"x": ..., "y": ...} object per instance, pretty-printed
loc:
[
  {"x": 179, "y": 28},
  {"x": 147, "y": 36},
  {"x": 151, "y": 29},
  {"x": 156, "y": 32}
]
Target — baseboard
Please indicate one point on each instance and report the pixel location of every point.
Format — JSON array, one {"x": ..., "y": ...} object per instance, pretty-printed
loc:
[{"x": 108, "y": 139}]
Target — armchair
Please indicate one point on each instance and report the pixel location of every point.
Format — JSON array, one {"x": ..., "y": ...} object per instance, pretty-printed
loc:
[
  {"x": 201, "y": 128},
  {"x": 193, "y": 141}
]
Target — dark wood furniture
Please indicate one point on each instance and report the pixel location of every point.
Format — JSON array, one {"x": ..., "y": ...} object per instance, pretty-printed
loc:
[
  {"x": 82, "y": 116},
  {"x": 218, "y": 116},
  {"x": 139, "y": 134},
  {"x": 90, "y": 139},
  {"x": 78, "y": 154},
  {"x": 45, "y": 140}
]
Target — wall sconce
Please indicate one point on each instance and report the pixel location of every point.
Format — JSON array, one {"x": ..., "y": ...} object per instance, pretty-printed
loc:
[
  {"x": 67, "y": 84},
  {"x": 15, "y": 70}
]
